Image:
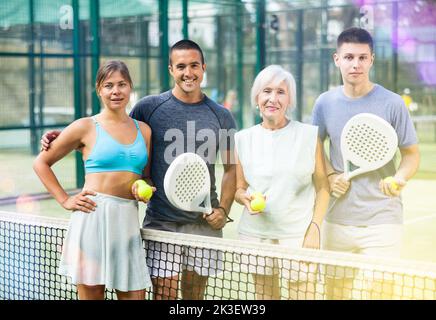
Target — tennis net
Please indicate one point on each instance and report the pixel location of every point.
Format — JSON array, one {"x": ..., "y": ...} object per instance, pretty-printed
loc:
[{"x": 30, "y": 249}]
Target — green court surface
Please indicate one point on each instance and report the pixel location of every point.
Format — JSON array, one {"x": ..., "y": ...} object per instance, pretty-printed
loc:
[{"x": 419, "y": 199}]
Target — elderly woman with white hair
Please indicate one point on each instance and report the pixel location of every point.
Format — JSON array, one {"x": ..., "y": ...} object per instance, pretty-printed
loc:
[{"x": 283, "y": 160}]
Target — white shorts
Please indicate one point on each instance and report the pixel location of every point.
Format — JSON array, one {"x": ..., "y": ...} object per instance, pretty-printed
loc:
[
  {"x": 294, "y": 271},
  {"x": 168, "y": 260},
  {"x": 376, "y": 240}
]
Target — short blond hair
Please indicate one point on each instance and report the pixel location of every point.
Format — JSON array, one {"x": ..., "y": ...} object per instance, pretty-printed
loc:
[{"x": 275, "y": 74}]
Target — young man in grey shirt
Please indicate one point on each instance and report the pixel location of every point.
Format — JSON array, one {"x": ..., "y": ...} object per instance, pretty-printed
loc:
[{"x": 367, "y": 217}]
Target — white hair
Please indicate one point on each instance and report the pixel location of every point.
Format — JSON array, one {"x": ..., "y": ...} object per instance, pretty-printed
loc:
[{"x": 275, "y": 74}]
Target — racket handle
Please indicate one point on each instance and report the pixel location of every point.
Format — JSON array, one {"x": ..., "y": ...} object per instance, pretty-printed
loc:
[{"x": 336, "y": 195}]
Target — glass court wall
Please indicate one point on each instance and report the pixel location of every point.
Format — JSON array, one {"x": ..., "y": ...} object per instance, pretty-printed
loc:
[{"x": 50, "y": 51}]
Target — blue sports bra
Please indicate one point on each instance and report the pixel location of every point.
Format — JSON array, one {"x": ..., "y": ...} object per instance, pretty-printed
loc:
[{"x": 110, "y": 155}]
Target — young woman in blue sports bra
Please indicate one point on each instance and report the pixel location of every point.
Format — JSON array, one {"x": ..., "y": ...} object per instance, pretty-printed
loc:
[{"x": 103, "y": 247}]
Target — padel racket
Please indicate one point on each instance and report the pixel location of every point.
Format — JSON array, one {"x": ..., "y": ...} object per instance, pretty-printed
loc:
[
  {"x": 187, "y": 184},
  {"x": 368, "y": 142}
]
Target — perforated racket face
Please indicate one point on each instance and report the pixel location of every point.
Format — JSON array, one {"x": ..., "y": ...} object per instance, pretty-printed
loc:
[
  {"x": 367, "y": 141},
  {"x": 187, "y": 183},
  {"x": 190, "y": 181}
]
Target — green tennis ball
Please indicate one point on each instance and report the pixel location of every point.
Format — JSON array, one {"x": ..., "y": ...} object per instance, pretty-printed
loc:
[
  {"x": 392, "y": 182},
  {"x": 258, "y": 204},
  {"x": 144, "y": 190}
]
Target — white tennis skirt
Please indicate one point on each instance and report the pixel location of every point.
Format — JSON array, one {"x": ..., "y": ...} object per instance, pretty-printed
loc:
[{"x": 105, "y": 247}]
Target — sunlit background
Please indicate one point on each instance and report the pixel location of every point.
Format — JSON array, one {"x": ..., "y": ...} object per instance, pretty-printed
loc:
[{"x": 50, "y": 51}]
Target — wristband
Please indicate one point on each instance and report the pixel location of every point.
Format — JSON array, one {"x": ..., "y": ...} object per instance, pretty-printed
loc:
[{"x": 331, "y": 173}]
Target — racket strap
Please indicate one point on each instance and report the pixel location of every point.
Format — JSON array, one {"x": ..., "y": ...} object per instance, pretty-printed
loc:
[
  {"x": 225, "y": 212},
  {"x": 319, "y": 232}
]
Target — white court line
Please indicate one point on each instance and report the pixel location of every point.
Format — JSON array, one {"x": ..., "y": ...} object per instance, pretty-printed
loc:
[{"x": 419, "y": 219}]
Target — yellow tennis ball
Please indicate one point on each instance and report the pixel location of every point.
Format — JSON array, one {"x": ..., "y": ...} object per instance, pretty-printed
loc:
[
  {"x": 392, "y": 182},
  {"x": 144, "y": 190},
  {"x": 258, "y": 203}
]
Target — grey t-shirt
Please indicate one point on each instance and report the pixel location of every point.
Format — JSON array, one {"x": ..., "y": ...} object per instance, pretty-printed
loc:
[
  {"x": 178, "y": 127},
  {"x": 364, "y": 204}
]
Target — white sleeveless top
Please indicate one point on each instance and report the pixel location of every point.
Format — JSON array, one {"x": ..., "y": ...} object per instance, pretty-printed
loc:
[{"x": 279, "y": 164}]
